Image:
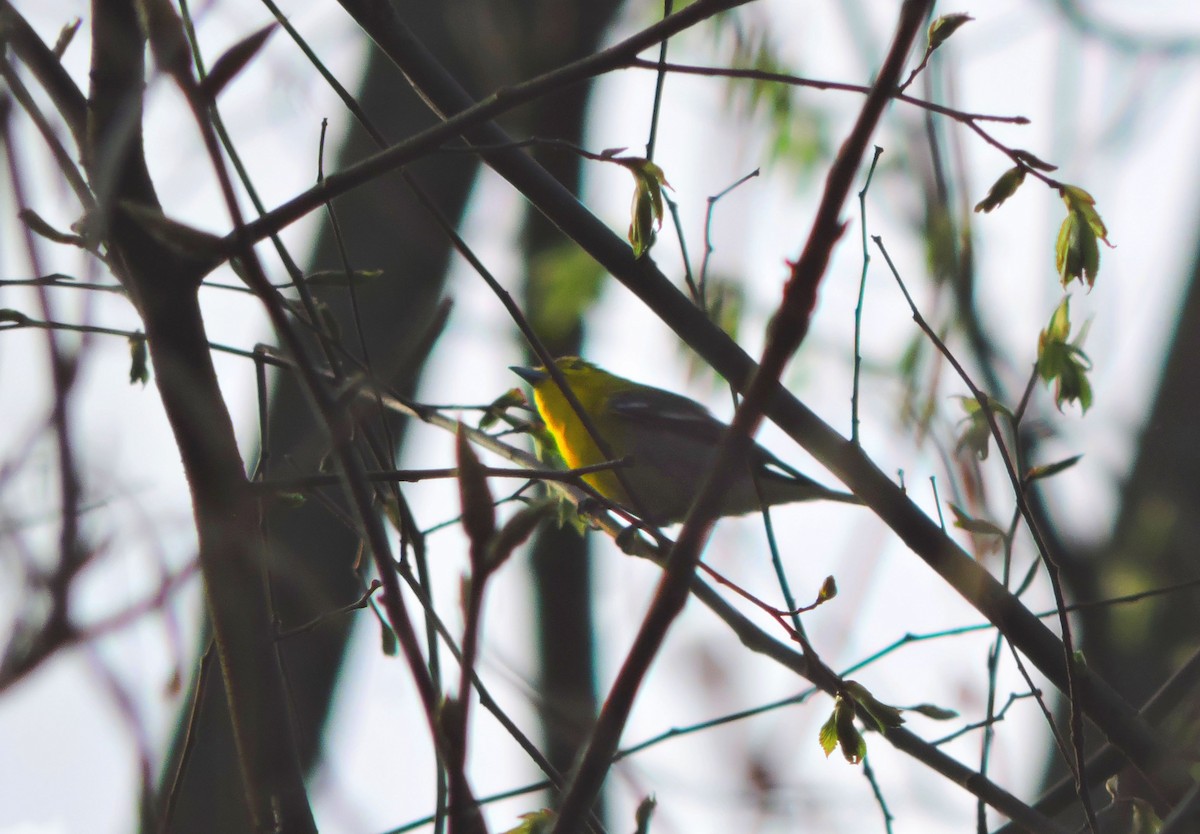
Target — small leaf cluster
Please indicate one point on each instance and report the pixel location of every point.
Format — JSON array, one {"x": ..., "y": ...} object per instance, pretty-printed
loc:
[
  {"x": 1077, "y": 247},
  {"x": 989, "y": 530},
  {"x": 840, "y": 730},
  {"x": 647, "y": 210},
  {"x": 797, "y": 132},
  {"x": 975, "y": 438},
  {"x": 939, "y": 32},
  {"x": 943, "y": 27},
  {"x": 1061, "y": 360},
  {"x": 563, "y": 284},
  {"x": 1012, "y": 179},
  {"x": 976, "y": 434},
  {"x": 1077, "y": 251}
]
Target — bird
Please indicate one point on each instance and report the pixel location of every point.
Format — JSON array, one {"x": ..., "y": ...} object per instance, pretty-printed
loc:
[{"x": 671, "y": 442}]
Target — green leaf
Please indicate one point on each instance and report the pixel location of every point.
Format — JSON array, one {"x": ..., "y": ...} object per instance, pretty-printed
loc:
[
  {"x": 290, "y": 499},
  {"x": 978, "y": 526},
  {"x": 1145, "y": 819},
  {"x": 498, "y": 408},
  {"x": 942, "y": 242},
  {"x": 1063, "y": 362},
  {"x": 839, "y": 730},
  {"x": 933, "y": 711},
  {"x": 1077, "y": 251},
  {"x": 850, "y": 740},
  {"x": 1059, "y": 329},
  {"x": 139, "y": 367},
  {"x": 828, "y": 735},
  {"x": 977, "y": 433},
  {"x": 537, "y": 822},
  {"x": 1077, "y": 255},
  {"x": 642, "y": 225},
  {"x": 1051, "y": 469},
  {"x": 564, "y": 283},
  {"x": 726, "y": 305},
  {"x": 945, "y": 26},
  {"x": 569, "y": 516},
  {"x": 1002, "y": 189},
  {"x": 1079, "y": 200},
  {"x": 647, "y": 210}
]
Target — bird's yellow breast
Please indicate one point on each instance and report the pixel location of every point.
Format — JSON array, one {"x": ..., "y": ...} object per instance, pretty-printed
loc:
[{"x": 574, "y": 442}]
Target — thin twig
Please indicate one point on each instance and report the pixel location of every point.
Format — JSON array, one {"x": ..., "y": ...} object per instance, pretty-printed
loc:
[
  {"x": 1052, "y": 568},
  {"x": 862, "y": 295}
]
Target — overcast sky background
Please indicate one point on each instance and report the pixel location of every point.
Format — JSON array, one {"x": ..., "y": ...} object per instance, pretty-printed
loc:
[{"x": 1123, "y": 125}]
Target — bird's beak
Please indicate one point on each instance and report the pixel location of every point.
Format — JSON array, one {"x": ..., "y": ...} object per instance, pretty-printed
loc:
[{"x": 531, "y": 375}]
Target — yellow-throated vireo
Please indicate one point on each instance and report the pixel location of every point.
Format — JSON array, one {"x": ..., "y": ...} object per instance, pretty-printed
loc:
[{"x": 671, "y": 439}]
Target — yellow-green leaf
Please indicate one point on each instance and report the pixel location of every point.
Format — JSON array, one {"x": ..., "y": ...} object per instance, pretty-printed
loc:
[
  {"x": 536, "y": 822},
  {"x": 1051, "y": 469},
  {"x": 850, "y": 740},
  {"x": 828, "y": 735},
  {"x": 564, "y": 283},
  {"x": 977, "y": 526},
  {"x": 945, "y": 26},
  {"x": 1002, "y": 189},
  {"x": 976, "y": 433},
  {"x": 1077, "y": 254},
  {"x": 933, "y": 711},
  {"x": 1077, "y": 251},
  {"x": 839, "y": 731},
  {"x": 498, "y": 408},
  {"x": 647, "y": 210},
  {"x": 1063, "y": 362}
]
